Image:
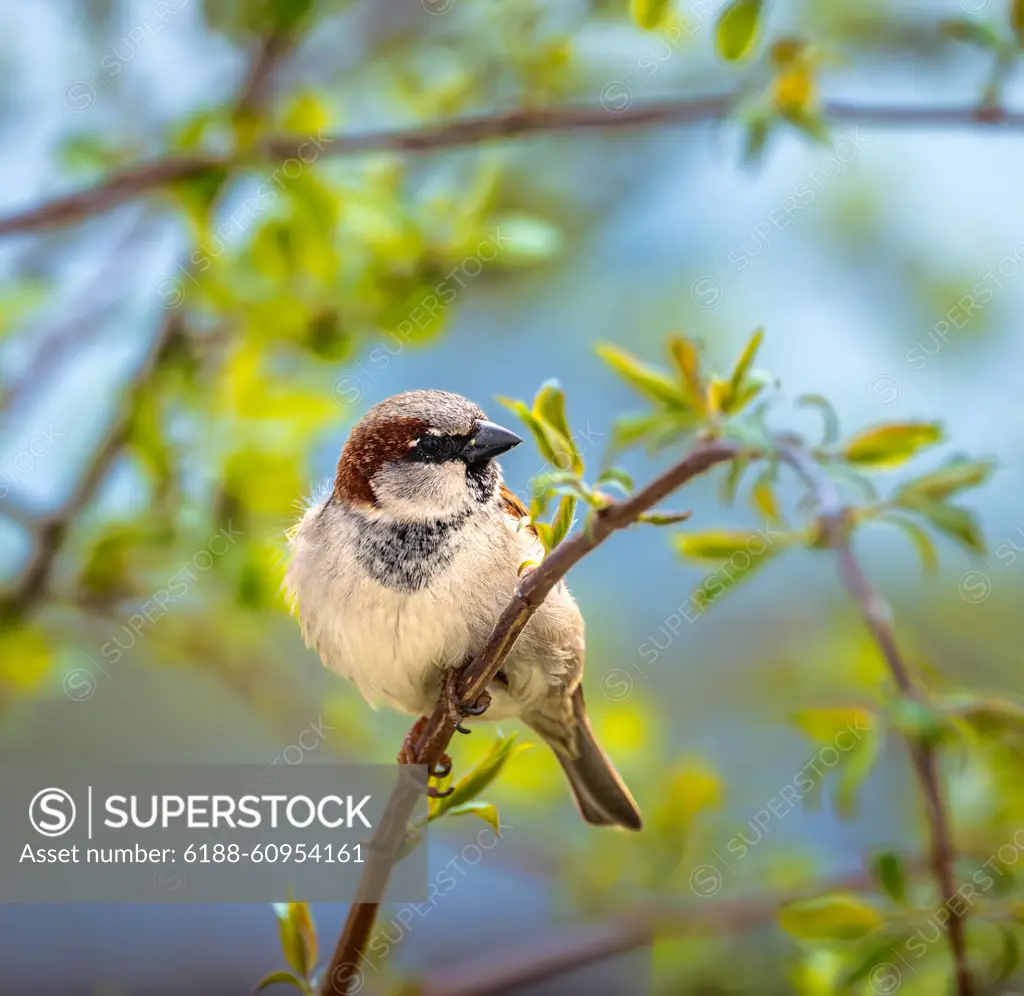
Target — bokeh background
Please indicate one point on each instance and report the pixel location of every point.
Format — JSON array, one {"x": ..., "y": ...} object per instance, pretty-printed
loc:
[{"x": 191, "y": 360}]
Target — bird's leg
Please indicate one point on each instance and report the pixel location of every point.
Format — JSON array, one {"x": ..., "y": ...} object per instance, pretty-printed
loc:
[
  {"x": 409, "y": 755},
  {"x": 457, "y": 709}
]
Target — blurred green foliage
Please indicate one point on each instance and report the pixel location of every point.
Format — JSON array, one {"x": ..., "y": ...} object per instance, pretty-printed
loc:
[{"x": 297, "y": 267}]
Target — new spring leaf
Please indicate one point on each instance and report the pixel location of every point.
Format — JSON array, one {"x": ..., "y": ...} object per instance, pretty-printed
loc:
[
  {"x": 890, "y": 445},
  {"x": 737, "y": 29}
]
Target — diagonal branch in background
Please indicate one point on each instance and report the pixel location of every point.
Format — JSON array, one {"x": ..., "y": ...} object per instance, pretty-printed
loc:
[
  {"x": 52, "y": 530},
  {"x": 343, "y": 971},
  {"x": 78, "y": 319},
  {"x": 836, "y": 531},
  {"x": 135, "y": 181}
]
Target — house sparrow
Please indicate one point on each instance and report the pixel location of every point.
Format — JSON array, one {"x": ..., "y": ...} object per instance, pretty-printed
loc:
[{"x": 399, "y": 575}]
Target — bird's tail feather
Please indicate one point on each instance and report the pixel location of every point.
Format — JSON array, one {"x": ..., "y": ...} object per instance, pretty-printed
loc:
[{"x": 600, "y": 793}]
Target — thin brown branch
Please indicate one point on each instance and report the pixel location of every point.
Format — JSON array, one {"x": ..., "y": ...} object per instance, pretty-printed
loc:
[
  {"x": 111, "y": 192},
  {"x": 925, "y": 761},
  {"x": 343, "y": 970},
  {"x": 141, "y": 178},
  {"x": 35, "y": 578},
  {"x": 497, "y": 971},
  {"x": 255, "y": 92}
]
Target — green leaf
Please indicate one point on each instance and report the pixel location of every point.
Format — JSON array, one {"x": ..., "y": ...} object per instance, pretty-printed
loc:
[
  {"x": 744, "y": 363},
  {"x": 823, "y": 724},
  {"x": 298, "y": 936},
  {"x": 544, "y": 534},
  {"x": 687, "y": 361},
  {"x": 288, "y": 14},
  {"x": 549, "y": 409},
  {"x": 737, "y": 29},
  {"x": 306, "y": 114},
  {"x": 648, "y": 14},
  {"x": 108, "y": 568},
  {"x": 811, "y": 123},
  {"x": 26, "y": 661},
  {"x": 953, "y": 477},
  {"x": 755, "y": 139},
  {"x": 612, "y": 475},
  {"x": 857, "y": 763},
  {"x": 1009, "y": 959},
  {"x": 562, "y": 522},
  {"x": 731, "y": 480},
  {"x": 955, "y": 522},
  {"x": 921, "y": 540},
  {"x": 763, "y": 496},
  {"x": 640, "y": 427},
  {"x": 836, "y": 917},
  {"x": 280, "y": 978},
  {"x": 725, "y": 578},
  {"x": 544, "y": 420},
  {"x": 889, "y": 870},
  {"x": 146, "y": 436},
  {"x": 86, "y": 152},
  {"x": 918, "y": 721},
  {"x": 720, "y": 544},
  {"x": 664, "y": 518},
  {"x": 485, "y": 810},
  {"x": 880, "y": 954},
  {"x": 828, "y": 415},
  {"x": 648, "y": 380},
  {"x": 690, "y": 789},
  {"x": 550, "y": 406},
  {"x": 996, "y": 717},
  {"x": 1017, "y": 21},
  {"x": 472, "y": 784},
  {"x": 787, "y": 50},
  {"x": 889, "y": 445}
]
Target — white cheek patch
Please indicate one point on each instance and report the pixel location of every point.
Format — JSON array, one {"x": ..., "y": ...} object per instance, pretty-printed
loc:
[{"x": 422, "y": 490}]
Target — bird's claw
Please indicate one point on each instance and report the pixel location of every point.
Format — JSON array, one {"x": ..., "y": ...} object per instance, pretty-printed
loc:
[
  {"x": 443, "y": 768},
  {"x": 481, "y": 705},
  {"x": 457, "y": 709},
  {"x": 409, "y": 754}
]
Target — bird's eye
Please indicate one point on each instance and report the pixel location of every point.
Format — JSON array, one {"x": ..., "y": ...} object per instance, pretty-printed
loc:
[{"x": 429, "y": 446}]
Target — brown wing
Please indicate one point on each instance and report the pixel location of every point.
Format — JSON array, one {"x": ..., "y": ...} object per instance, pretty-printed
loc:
[{"x": 514, "y": 508}]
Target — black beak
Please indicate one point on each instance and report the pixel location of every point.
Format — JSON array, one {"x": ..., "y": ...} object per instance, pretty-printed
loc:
[{"x": 488, "y": 441}]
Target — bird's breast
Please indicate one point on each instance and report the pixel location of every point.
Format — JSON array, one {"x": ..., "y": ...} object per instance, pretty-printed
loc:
[{"x": 408, "y": 555}]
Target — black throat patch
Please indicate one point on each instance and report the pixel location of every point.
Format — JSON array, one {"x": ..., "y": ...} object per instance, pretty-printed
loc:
[
  {"x": 408, "y": 555},
  {"x": 482, "y": 482}
]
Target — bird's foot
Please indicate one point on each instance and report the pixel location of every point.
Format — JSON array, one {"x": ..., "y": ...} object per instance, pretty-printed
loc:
[
  {"x": 457, "y": 709},
  {"x": 409, "y": 754}
]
